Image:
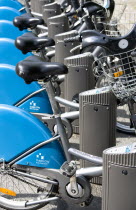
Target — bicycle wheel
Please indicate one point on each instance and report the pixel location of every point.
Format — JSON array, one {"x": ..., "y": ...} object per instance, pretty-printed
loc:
[
  {"x": 15, "y": 190},
  {"x": 123, "y": 119},
  {"x": 123, "y": 114}
]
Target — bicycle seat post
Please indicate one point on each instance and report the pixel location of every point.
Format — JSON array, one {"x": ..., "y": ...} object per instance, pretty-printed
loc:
[{"x": 57, "y": 113}]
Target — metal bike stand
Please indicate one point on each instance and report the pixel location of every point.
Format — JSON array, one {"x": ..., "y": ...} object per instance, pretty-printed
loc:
[
  {"x": 119, "y": 178},
  {"x": 42, "y": 3},
  {"x": 97, "y": 123},
  {"x": 36, "y": 5},
  {"x": 80, "y": 78},
  {"x": 62, "y": 49},
  {"x": 51, "y": 10},
  {"x": 57, "y": 24}
]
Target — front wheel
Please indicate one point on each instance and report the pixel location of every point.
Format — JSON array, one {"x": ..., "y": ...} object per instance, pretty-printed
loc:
[{"x": 123, "y": 113}]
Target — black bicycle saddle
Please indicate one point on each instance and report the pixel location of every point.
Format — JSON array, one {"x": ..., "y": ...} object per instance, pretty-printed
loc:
[
  {"x": 111, "y": 44},
  {"x": 27, "y": 21},
  {"x": 34, "y": 68},
  {"x": 29, "y": 42},
  {"x": 93, "y": 7},
  {"x": 96, "y": 12}
]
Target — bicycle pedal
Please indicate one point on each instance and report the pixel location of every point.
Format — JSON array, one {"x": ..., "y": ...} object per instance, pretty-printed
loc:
[{"x": 68, "y": 169}]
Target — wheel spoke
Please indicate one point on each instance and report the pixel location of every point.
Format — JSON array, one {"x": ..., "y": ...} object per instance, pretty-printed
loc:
[{"x": 23, "y": 188}]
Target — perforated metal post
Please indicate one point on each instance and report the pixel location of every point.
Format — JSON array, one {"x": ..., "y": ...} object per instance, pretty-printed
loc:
[
  {"x": 57, "y": 24},
  {"x": 62, "y": 49},
  {"x": 97, "y": 123},
  {"x": 51, "y": 10},
  {"x": 42, "y": 3},
  {"x": 119, "y": 178},
  {"x": 80, "y": 78},
  {"x": 36, "y": 5}
]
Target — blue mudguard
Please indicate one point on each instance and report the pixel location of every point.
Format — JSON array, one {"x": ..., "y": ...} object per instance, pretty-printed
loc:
[
  {"x": 13, "y": 4},
  {"x": 8, "y": 13},
  {"x": 13, "y": 89},
  {"x": 9, "y": 54},
  {"x": 8, "y": 30},
  {"x": 20, "y": 131}
]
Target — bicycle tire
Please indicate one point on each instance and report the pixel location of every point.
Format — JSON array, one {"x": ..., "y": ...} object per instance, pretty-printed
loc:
[{"x": 123, "y": 127}]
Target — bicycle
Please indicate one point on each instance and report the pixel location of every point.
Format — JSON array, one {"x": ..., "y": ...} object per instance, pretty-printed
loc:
[
  {"x": 120, "y": 27},
  {"x": 33, "y": 98},
  {"x": 40, "y": 158},
  {"x": 105, "y": 80}
]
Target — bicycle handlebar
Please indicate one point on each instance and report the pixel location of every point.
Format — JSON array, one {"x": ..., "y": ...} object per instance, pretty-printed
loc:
[{"x": 113, "y": 45}]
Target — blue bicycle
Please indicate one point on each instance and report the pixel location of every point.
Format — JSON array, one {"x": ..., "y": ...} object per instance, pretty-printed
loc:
[{"x": 36, "y": 167}]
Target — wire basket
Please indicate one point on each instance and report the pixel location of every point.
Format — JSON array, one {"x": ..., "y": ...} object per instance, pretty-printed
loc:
[
  {"x": 120, "y": 28},
  {"x": 123, "y": 19},
  {"x": 120, "y": 73},
  {"x": 120, "y": 9}
]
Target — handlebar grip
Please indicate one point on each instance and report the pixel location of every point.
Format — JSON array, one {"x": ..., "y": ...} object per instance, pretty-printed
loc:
[{"x": 72, "y": 39}]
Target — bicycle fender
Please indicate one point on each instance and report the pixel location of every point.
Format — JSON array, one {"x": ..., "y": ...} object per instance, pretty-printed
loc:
[
  {"x": 13, "y": 89},
  {"x": 20, "y": 131}
]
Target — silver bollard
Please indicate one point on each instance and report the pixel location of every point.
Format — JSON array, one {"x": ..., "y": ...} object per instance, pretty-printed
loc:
[
  {"x": 63, "y": 49},
  {"x": 80, "y": 78},
  {"x": 119, "y": 178},
  {"x": 42, "y": 3},
  {"x": 57, "y": 24},
  {"x": 51, "y": 10},
  {"x": 97, "y": 122},
  {"x": 36, "y": 5}
]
